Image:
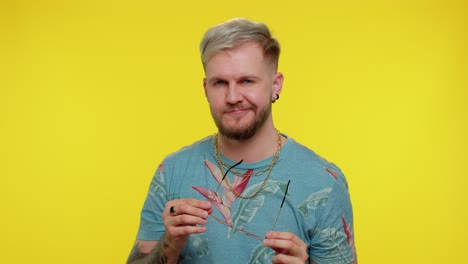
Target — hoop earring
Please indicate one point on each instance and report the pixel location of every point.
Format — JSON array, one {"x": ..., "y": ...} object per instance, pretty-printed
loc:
[{"x": 277, "y": 97}]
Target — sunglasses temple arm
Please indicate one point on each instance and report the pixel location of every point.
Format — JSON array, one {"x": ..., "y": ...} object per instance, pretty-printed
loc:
[
  {"x": 225, "y": 174},
  {"x": 276, "y": 219},
  {"x": 281, "y": 206},
  {"x": 238, "y": 229}
]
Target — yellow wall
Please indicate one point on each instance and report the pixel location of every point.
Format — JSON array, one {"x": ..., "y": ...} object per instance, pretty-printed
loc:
[{"x": 93, "y": 95}]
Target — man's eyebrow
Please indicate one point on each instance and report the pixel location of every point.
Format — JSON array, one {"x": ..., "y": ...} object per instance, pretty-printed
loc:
[
  {"x": 214, "y": 78},
  {"x": 248, "y": 77},
  {"x": 241, "y": 78}
]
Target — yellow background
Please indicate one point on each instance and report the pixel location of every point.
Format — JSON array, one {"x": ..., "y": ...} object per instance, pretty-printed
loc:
[{"x": 94, "y": 94}]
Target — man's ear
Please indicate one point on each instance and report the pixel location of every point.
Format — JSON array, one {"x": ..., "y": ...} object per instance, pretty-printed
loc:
[
  {"x": 278, "y": 79},
  {"x": 204, "y": 85}
]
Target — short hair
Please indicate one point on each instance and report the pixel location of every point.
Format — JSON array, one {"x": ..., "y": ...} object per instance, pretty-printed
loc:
[{"x": 236, "y": 32}]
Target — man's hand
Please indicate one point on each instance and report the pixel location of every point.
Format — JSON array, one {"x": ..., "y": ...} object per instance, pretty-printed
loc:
[
  {"x": 287, "y": 246},
  {"x": 184, "y": 217},
  {"x": 187, "y": 216}
]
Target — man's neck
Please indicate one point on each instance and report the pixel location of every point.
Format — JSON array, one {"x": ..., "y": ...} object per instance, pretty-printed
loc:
[{"x": 260, "y": 146}]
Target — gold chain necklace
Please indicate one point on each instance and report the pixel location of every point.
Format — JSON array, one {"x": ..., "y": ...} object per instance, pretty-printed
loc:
[
  {"x": 240, "y": 173},
  {"x": 269, "y": 168}
]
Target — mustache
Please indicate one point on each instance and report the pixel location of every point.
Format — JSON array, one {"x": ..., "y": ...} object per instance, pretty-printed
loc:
[{"x": 238, "y": 107}]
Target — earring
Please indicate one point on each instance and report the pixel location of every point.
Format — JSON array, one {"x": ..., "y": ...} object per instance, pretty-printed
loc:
[{"x": 277, "y": 97}]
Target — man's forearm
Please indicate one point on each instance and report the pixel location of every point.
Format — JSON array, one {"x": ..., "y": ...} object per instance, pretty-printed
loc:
[{"x": 160, "y": 254}]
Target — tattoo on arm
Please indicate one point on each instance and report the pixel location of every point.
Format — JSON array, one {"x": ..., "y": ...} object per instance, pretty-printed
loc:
[
  {"x": 156, "y": 256},
  {"x": 135, "y": 254}
]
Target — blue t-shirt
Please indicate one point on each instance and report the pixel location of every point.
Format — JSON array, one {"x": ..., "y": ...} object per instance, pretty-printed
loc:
[{"x": 317, "y": 207}]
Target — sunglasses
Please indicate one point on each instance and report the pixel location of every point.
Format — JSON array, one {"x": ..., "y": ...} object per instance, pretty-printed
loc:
[{"x": 243, "y": 230}]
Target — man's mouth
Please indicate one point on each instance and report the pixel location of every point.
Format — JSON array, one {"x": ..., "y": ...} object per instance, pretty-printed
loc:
[{"x": 238, "y": 112}]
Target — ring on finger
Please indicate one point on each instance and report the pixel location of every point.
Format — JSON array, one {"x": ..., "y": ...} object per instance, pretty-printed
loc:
[{"x": 172, "y": 211}]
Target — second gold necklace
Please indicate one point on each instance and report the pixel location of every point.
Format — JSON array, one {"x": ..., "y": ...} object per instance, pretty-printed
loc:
[{"x": 269, "y": 168}]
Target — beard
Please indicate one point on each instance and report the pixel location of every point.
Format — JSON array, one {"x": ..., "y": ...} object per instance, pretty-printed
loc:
[{"x": 243, "y": 131}]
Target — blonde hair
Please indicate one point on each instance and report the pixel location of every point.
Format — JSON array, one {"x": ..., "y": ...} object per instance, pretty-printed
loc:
[{"x": 235, "y": 32}]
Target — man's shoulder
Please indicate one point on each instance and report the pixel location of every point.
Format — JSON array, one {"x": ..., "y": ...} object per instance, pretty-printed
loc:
[
  {"x": 314, "y": 164},
  {"x": 304, "y": 153},
  {"x": 196, "y": 149}
]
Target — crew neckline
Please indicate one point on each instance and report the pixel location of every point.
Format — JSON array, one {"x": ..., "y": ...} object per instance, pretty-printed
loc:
[{"x": 251, "y": 165}]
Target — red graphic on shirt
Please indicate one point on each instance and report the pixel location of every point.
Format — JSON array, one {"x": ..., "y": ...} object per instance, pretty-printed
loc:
[{"x": 223, "y": 202}]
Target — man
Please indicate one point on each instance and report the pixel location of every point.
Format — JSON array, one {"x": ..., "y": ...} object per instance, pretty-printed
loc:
[{"x": 248, "y": 194}]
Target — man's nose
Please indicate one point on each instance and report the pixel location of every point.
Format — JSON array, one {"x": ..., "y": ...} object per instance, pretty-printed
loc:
[{"x": 233, "y": 95}]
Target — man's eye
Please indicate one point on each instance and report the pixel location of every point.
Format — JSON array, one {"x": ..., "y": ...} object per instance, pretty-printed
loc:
[
  {"x": 248, "y": 81},
  {"x": 219, "y": 83}
]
